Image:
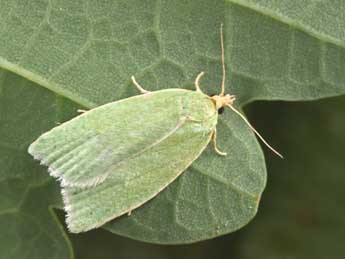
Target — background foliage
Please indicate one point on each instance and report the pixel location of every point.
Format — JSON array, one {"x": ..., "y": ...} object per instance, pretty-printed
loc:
[{"x": 57, "y": 56}]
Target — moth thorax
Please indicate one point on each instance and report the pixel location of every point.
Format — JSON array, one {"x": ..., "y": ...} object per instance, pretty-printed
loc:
[{"x": 223, "y": 100}]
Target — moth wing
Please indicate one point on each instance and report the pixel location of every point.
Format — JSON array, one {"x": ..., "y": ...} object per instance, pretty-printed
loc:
[
  {"x": 137, "y": 180},
  {"x": 83, "y": 151}
]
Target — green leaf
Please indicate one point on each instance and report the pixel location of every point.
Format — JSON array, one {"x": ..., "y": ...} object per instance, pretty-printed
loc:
[
  {"x": 29, "y": 227},
  {"x": 86, "y": 51}
]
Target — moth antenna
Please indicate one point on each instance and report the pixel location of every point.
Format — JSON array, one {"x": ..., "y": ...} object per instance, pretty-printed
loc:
[
  {"x": 255, "y": 131},
  {"x": 197, "y": 80},
  {"x": 223, "y": 59},
  {"x": 139, "y": 87}
]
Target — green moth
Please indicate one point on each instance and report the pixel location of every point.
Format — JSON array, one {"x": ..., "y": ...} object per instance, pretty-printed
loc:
[{"x": 114, "y": 158}]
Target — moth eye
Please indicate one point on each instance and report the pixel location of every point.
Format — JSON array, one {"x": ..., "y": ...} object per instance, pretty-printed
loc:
[{"x": 221, "y": 110}]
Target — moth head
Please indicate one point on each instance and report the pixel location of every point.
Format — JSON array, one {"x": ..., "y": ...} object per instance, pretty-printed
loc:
[{"x": 221, "y": 101}]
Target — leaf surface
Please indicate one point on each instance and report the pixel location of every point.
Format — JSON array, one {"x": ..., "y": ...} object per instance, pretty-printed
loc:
[{"x": 86, "y": 51}]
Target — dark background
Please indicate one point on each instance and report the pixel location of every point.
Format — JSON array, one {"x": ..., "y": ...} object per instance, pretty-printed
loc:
[{"x": 302, "y": 209}]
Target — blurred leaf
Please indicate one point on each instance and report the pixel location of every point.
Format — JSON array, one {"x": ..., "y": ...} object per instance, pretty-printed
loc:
[
  {"x": 86, "y": 51},
  {"x": 102, "y": 244},
  {"x": 303, "y": 207},
  {"x": 29, "y": 227}
]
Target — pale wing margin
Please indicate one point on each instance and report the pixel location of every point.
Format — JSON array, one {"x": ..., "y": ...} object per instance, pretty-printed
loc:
[
  {"x": 82, "y": 151},
  {"x": 137, "y": 180}
]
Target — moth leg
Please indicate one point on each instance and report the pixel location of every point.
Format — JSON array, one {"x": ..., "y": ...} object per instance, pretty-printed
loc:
[
  {"x": 214, "y": 140},
  {"x": 188, "y": 118},
  {"x": 139, "y": 87},
  {"x": 81, "y": 111},
  {"x": 197, "y": 80},
  {"x": 129, "y": 213}
]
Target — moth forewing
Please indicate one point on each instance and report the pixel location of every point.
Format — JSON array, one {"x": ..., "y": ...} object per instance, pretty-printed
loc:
[
  {"x": 135, "y": 156},
  {"x": 140, "y": 178}
]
